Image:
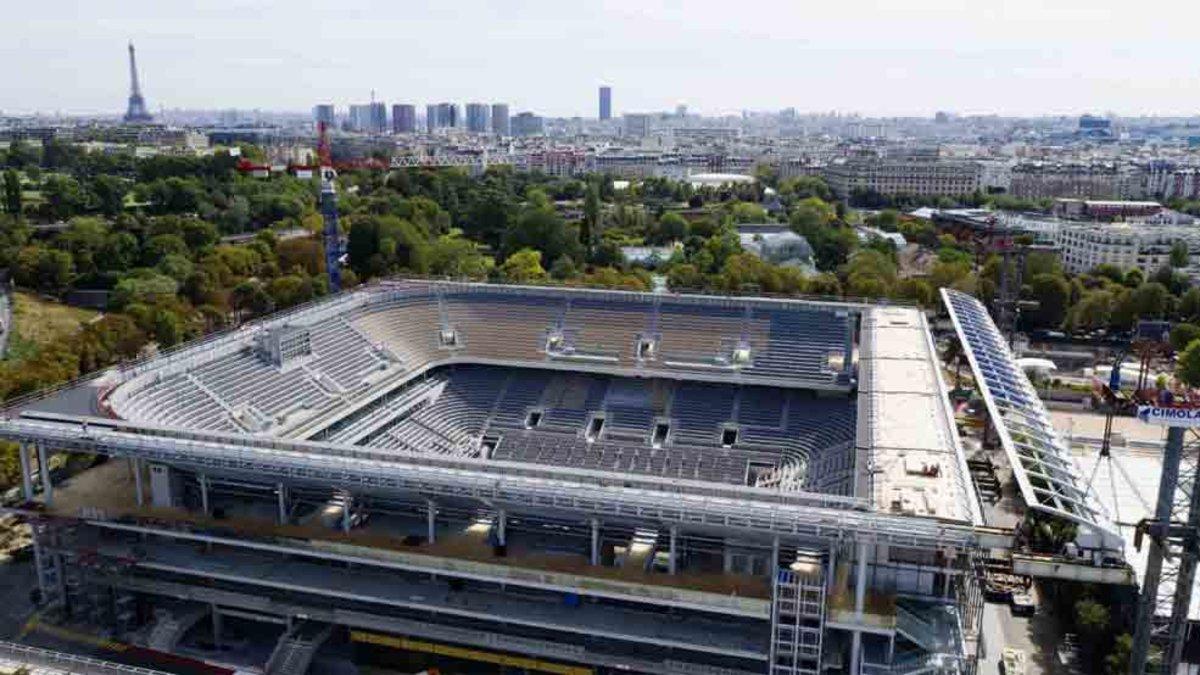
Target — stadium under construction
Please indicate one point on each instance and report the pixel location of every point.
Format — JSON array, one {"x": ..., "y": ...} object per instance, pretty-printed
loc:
[{"x": 563, "y": 480}]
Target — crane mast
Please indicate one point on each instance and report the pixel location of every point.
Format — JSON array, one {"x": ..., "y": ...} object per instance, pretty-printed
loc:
[{"x": 329, "y": 211}]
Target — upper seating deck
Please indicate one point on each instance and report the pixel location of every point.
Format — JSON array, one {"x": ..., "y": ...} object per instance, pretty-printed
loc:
[
  {"x": 363, "y": 342},
  {"x": 791, "y": 344}
]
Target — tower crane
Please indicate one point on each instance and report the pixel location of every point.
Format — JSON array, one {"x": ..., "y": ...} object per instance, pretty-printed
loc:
[{"x": 329, "y": 210}]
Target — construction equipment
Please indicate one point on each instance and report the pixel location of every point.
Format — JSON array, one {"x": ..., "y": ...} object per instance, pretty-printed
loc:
[{"x": 329, "y": 211}]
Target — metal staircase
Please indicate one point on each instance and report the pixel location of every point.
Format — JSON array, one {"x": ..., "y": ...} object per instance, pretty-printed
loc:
[
  {"x": 170, "y": 627},
  {"x": 296, "y": 648},
  {"x": 798, "y": 618}
]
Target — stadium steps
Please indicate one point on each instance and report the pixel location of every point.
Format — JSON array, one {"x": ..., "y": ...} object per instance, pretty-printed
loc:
[
  {"x": 170, "y": 627},
  {"x": 294, "y": 652}
]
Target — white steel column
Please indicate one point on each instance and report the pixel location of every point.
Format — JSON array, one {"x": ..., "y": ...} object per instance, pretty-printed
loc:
[
  {"x": 281, "y": 492},
  {"x": 673, "y": 555},
  {"x": 346, "y": 499},
  {"x": 595, "y": 541},
  {"x": 860, "y": 598},
  {"x": 502, "y": 528},
  {"x": 216, "y": 626},
  {"x": 203, "y": 479},
  {"x": 860, "y": 582},
  {"x": 431, "y": 521},
  {"x": 44, "y": 469},
  {"x": 947, "y": 574},
  {"x": 774, "y": 566},
  {"x": 26, "y": 481},
  {"x": 138, "y": 490}
]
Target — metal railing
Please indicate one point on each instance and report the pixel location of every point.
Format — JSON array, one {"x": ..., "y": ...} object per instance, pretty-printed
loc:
[
  {"x": 521, "y": 487},
  {"x": 70, "y": 663}
]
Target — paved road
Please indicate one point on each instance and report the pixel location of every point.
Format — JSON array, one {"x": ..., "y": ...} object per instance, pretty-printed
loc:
[{"x": 1037, "y": 635}]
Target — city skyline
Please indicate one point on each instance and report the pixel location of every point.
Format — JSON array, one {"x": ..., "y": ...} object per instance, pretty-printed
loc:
[{"x": 1019, "y": 59}]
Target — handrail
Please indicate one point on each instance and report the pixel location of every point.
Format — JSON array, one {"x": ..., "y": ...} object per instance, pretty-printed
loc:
[
  {"x": 746, "y": 509},
  {"x": 48, "y": 658},
  {"x": 319, "y": 450}
]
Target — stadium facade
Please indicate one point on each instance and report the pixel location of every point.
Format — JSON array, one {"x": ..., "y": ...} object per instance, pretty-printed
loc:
[{"x": 582, "y": 480}]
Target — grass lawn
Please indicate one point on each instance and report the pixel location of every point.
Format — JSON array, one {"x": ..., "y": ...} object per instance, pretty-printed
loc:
[{"x": 37, "y": 321}]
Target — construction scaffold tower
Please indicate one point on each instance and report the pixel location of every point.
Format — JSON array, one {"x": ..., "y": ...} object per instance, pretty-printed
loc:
[
  {"x": 1162, "y": 612},
  {"x": 329, "y": 211}
]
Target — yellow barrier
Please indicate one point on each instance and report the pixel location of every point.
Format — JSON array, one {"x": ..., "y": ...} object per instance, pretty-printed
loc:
[{"x": 467, "y": 654}]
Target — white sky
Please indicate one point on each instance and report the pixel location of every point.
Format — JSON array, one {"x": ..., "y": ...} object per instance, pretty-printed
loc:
[{"x": 876, "y": 57}]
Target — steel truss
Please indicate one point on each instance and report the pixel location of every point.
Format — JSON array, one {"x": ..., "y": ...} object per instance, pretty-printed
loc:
[
  {"x": 1174, "y": 533},
  {"x": 747, "y": 511}
]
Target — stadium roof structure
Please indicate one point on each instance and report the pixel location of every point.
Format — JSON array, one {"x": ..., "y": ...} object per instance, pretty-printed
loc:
[
  {"x": 907, "y": 434},
  {"x": 280, "y": 397},
  {"x": 1042, "y": 464}
]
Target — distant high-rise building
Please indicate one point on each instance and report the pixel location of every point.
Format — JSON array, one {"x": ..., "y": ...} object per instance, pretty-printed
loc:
[
  {"x": 527, "y": 124},
  {"x": 478, "y": 118},
  {"x": 356, "y": 118},
  {"x": 448, "y": 116},
  {"x": 136, "y": 112},
  {"x": 501, "y": 125},
  {"x": 404, "y": 118},
  {"x": 378, "y": 118},
  {"x": 605, "y": 103},
  {"x": 431, "y": 118},
  {"x": 637, "y": 125},
  {"x": 369, "y": 118},
  {"x": 681, "y": 110},
  {"x": 324, "y": 112}
]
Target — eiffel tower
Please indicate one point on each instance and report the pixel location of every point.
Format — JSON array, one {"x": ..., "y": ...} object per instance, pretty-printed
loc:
[{"x": 136, "y": 113}]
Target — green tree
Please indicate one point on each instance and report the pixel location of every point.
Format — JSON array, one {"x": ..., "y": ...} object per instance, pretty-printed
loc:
[
  {"x": 540, "y": 228},
  {"x": 870, "y": 274},
  {"x": 22, "y": 155},
  {"x": 1117, "y": 660},
  {"x": 111, "y": 338},
  {"x": 12, "y": 193},
  {"x": 45, "y": 269},
  {"x": 169, "y": 329},
  {"x": 65, "y": 197},
  {"x": 1183, "y": 334},
  {"x": 1189, "y": 305},
  {"x": 670, "y": 227},
  {"x": 1150, "y": 300},
  {"x": 383, "y": 244},
  {"x": 1187, "y": 366},
  {"x": 1109, "y": 271},
  {"x": 915, "y": 290},
  {"x": 110, "y": 194},
  {"x": 250, "y": 298},
  {"x": 290, "y": 290},
  {"x": 746, "y": 212},
  {"x": 1091, "y": 312},
  {"x": 812, "y": 213},
  {"x": 1180, "y": 256},
  {"x": 947, "y": 274},
  {"x": 685, "y": 277},
  {"x": 766, "y": 174},
  {"x": 1053, "y": 295},
  {"x": 162, "y": 245},
  {"x": 590, "y": 226},
  {"x": 803, "y": 187},
  {"x": 143, "y": 286},
  {"x": 452, "y": 255},
  {"x": 524, "y": 266}
]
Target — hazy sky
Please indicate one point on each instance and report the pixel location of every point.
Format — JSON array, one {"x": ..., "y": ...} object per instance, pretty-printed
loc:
[{"x": 874, "y": 57}]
